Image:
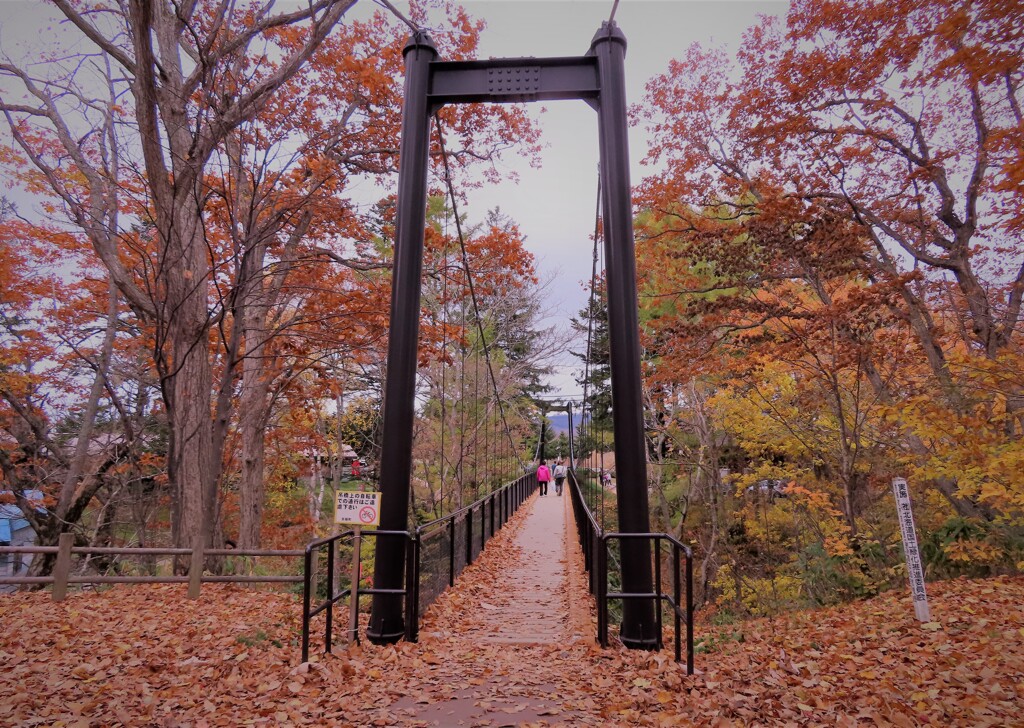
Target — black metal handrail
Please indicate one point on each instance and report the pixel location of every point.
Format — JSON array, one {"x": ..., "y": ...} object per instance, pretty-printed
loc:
[
  {"x": 588, "y": 530},
  {"x": 308, "y": 611},
  {"x": 485, "y": 516},
  {"x": 594, "y": 542},
  {"x": 673, "y": 599},
  {"x": 495, "y": 509}
]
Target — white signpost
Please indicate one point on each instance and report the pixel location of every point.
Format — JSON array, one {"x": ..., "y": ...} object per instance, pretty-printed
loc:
[
  {"x": 358, "y": 509},
  {"x": 915, "y": 570}
]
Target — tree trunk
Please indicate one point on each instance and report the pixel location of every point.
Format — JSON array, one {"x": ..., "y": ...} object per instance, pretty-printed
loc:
[
  {"x": 252, "y": 409},
  {"x": 184, "y": 270}
]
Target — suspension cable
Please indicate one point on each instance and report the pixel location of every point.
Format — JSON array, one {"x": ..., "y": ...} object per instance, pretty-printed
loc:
[
  {"x": 444, "y": 357},
  {"x": 587, "y": 404},
  {"x": 611, "y": 18},
  {"x": 469, "y": 281},
  {"x": 603, "y": 304},
  {"x": 590, "y": 304},
  {"x": 462, "y": 397}
]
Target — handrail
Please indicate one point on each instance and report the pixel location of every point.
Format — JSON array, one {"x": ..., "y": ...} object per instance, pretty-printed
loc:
[
  {"x": 61, "y": 575},
  {"x": 590, "y": 515},
  {"x": 147, "y": 551},
  {"x": 470, "y": 507},
  {"x": 494, "y": 508},
  {"x": 594, "y": 541},
  {"x": 308, "y": 611}
]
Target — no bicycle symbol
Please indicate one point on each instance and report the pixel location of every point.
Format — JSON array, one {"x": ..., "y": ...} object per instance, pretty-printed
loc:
[{"x": 357, "y": 508}]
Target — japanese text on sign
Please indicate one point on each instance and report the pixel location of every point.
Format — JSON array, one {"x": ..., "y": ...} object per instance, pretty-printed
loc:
[
  {"x": 357, "y": 508},
  {"x": 915, "y": 570}
]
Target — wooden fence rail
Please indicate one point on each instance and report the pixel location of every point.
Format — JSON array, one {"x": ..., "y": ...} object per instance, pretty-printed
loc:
[{"x": 65, "y": 548}]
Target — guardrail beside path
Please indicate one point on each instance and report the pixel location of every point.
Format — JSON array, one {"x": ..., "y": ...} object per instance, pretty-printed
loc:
[
  {"x": 65, "y": 549},
  {"x": 436, "y": 553},
  {"x": 594, "y": 541}
]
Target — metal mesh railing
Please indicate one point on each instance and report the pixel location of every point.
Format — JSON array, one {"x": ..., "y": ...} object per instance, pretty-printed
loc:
[
  {"x": 439, "y": 551},
  {"x": 436, "y": 568},
  {"x": 449, "y": 544}
]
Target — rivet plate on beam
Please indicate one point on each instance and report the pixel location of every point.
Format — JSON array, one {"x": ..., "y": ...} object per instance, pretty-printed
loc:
[
  {"x": 523, "y": 79},
  {"x": 511, "y": 80}
]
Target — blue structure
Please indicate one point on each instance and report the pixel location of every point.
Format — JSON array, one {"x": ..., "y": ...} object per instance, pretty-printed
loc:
[{"x": 16, "y": 531}]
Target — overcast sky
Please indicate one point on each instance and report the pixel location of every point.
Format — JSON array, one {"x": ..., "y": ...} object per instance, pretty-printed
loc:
[{"x": 555, "y": 205}]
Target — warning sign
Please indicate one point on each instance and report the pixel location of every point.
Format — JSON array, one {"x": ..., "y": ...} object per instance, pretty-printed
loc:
[{"x": 357, "y": 508}]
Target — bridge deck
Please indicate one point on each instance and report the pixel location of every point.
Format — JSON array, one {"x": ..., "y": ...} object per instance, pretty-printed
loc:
[
  {"x": 531, "y": 604},
  {"x": 510, "y": 619}
]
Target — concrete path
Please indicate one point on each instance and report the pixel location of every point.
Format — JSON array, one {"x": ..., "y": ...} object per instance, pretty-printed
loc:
[{"x": 531, "y": 604}]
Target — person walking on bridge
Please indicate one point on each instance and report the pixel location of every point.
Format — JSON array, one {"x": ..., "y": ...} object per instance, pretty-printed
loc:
[
  {"x": 543, "y": 476},
  {"x": 560, "y": 473}
]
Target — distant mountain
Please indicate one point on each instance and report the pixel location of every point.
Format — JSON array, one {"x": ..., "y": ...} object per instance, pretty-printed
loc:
[{"x": 559, "y": 422}]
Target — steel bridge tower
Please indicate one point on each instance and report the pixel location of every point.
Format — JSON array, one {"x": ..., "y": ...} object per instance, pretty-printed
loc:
[{"x": 598, "y": 78}]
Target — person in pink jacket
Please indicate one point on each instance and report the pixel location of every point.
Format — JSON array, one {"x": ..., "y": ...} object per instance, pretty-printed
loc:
[{"x": 543, "y": 476}]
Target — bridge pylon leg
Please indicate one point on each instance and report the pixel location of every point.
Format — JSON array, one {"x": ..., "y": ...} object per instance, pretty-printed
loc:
[
  {"x": 639, "y": 627},
  {"x": 387, "y": 623}
]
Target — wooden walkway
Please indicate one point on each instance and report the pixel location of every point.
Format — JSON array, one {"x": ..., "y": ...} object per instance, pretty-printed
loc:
[{"x": 531, "y": 606}]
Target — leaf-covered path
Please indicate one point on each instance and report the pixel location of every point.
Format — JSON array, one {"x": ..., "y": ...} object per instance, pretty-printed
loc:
[
  {"x": 146, "y": 656},
  {"x": 531, "y": 601},
  {"x": 524, "y": 598}
]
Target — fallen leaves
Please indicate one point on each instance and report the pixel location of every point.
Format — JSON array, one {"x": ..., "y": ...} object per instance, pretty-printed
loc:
[{"x": 147, "y": 656}]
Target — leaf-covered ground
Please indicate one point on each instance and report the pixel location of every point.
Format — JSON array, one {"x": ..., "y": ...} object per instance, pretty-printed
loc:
[{"x": 147, "y": 656}]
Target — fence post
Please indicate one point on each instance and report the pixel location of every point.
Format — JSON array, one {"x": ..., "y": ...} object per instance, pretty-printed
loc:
[
  {"x": 307, "y": 574},
  {"x": 689, "y": 612},
  {"x": 676, "y": 598},
  {"x": 195, "y": 573},
  {"x": 353, "y": 598},
  {"x": 329, "y": 621},
  {"x": 412, "y": 589},
  {"x": 451, "y": 552},
  {"x": 62, "y": 568},
  {"x": 602, "y": 592}
]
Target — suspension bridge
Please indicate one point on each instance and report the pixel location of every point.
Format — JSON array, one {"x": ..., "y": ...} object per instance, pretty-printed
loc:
[{"x": 637, "y": 578}]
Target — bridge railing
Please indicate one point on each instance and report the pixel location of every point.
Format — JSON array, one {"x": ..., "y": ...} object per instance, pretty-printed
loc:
[
  {"x": 451, "y": 543},
  {"x": 334, "y": 578},
  {"x": 436, "y": 553},
  {"x": 594, "y": 541}
]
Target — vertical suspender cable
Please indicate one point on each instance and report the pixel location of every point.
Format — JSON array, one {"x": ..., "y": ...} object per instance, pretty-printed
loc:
[
  {"x": 469, "y": 280},
  {"x": 444, "y": 356},
  {"x": 587, "y": 404}
]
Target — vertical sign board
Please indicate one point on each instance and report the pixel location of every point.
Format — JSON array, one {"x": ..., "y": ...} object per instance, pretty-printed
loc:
[
  {"x": 915, "y": 570},
  {"x": 358, "y": 509}
]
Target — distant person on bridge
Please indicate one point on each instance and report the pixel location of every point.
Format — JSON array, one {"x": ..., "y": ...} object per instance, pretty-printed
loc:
[
  {"x": 543, "y": 476},
  {"x": 560, "y": 472}
]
